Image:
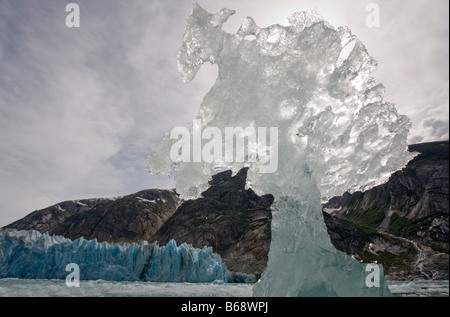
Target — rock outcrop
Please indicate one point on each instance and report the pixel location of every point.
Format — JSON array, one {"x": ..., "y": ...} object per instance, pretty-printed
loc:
[{"x": 231, "y": 219}]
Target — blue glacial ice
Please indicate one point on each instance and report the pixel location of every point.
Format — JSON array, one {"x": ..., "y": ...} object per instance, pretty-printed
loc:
[{"x": 31, "y": 254}]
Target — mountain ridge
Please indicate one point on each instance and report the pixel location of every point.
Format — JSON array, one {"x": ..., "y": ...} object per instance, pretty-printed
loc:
[{"x": 127, "y": 218}]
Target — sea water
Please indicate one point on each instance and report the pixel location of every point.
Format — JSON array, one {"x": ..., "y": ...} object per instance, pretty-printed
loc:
[{"x": 12, "y": 287}]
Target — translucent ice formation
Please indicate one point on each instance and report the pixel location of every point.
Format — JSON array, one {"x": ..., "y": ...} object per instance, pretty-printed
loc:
[
  {"x": 335, "y": 134},
  {"x": 30, "y": 254}
]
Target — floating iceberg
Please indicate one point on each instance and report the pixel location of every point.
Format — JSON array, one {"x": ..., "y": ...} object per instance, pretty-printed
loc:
[
  {"x": 30, "y": 254},
  {"x": 335, "y": 134}
]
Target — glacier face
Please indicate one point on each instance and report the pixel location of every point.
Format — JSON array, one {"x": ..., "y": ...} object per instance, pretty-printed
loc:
[
  {"x": 30, "y": 254},
  {"x": 335, "y": 134}
]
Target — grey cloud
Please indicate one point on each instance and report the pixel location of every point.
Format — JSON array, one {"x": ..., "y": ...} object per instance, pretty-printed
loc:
[{"x": 71, "y": 102}]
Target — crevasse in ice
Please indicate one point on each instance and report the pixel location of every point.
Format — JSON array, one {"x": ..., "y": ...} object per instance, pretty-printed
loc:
[
  {"x": 30, "y": 254},
  {"x": 335, "y": 134}
]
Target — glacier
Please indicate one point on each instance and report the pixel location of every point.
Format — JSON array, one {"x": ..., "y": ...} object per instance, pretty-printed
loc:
[
  {"x": 35, "y": 255},
  {"x": 313, "y": 83}
]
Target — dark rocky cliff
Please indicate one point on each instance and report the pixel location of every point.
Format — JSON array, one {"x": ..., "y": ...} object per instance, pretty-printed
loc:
[
  {"x": 231, "y": 219},
  {"x": 406, "y": 219}
]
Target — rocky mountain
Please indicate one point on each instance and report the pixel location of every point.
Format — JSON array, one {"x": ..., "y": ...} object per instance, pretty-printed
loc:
[
  {"x": 128, "y": 218},
  {"x": 402, "y": 224}
]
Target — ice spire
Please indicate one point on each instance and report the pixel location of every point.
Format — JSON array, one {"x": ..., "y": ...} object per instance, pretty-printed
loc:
[{"x": 335, "y": 134}]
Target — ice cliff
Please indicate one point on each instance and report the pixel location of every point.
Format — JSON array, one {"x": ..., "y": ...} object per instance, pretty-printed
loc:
[
  {"x": 30, "y": 254},
  {"x": 335, "y": 134}
]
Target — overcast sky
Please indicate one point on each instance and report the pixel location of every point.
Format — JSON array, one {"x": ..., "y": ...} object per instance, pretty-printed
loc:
[{"x": 81, "y": 108}]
